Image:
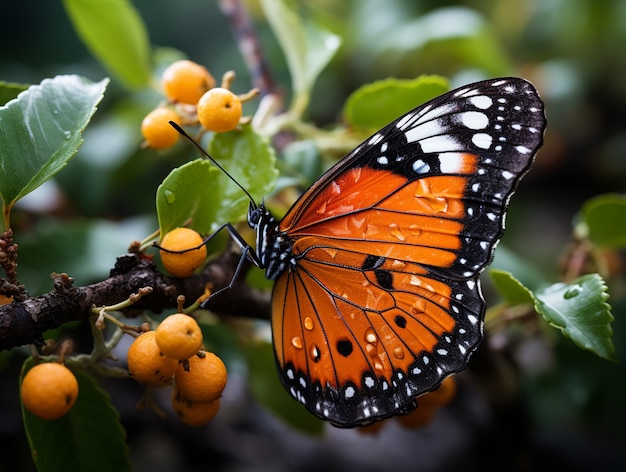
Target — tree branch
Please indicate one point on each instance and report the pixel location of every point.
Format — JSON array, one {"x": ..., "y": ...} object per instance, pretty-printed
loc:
[
  {"x": 248, "y": 44},
  {"x": 23, "y": 322}
]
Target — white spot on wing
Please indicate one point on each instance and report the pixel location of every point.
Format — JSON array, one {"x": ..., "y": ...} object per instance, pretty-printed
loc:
[
  {"x": 424, "y": 130},
  {"x": 420, "y": 167},
  {"x": 474, "y": 120},
  {"x": 451, "y": 163},
  {"x": 376, "y": 139},
  {"x": 404, "y": 120},
  {"x": 481, "y": 101},
  {"x": 482, "y": 140},
  {"x": 440, "y": 143}
]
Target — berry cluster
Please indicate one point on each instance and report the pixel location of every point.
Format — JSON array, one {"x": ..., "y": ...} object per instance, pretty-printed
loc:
[
  {"x": 193, "y": 98},
  {"x": 174, "y": 351}
]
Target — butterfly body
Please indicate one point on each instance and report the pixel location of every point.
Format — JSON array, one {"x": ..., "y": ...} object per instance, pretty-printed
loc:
[{"x": 376, "y": 266}]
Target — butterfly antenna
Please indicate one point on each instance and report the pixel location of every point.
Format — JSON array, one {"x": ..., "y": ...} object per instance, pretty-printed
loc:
[{"x": 208, "y": 156}]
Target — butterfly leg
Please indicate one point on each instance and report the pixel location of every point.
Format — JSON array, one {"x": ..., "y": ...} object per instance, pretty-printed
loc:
[{"x": 247, "y": 253}]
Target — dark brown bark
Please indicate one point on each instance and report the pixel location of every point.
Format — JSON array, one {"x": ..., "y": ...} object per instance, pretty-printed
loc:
[{"x": 23, "y": 322}]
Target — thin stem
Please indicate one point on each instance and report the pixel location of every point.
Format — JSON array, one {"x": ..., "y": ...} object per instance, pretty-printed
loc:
[{"x": 249, "y": 46}]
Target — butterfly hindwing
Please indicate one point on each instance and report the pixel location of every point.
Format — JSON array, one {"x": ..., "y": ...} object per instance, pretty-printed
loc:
[
  {"x": 387, "y": 346},
  {"x": 380, "y": 300}
]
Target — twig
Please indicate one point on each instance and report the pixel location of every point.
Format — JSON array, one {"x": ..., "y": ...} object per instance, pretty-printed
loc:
[
  {"x": 23, "y": 322},
  {"x": 249, "y": 45}
]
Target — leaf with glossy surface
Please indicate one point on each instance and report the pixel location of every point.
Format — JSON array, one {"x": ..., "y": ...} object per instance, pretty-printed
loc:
[
  {"x": 250, "y": 160},
  {"x": 89, "y": 437},
  {"x": 201, "y": 192},
  {"x": 41, "y": 130},
  {"x": 580, "y": 311},
  {"x": 188, "y": 194}
]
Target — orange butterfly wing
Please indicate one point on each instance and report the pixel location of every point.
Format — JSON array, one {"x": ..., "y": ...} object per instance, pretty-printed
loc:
[{"x": 381, "y": 299}]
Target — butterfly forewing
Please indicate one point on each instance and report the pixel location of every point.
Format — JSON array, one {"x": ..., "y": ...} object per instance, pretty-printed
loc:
[{"x": 381, "y": 299}]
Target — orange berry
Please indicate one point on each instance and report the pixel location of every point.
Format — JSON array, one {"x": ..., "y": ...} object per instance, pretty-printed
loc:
[
  {"x": 146, "y": 362},
  {"x": 219, "y": 110},
  {"x": 49, "y": 390},
  {"x": 156, "y": 129},
  {"x": 179, "y": 336},
  {"x": 182, "y": 264},
  {"x": 194, "y": 413},
  {"x": 204, "y": 379},
  {"x": 186, "y": 81}
]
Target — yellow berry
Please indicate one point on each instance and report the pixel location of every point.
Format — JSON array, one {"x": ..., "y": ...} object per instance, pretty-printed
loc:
[
  {"x": 219, "y": 110},
  {"x": 194, "y": 413},
  {"x": 202, "y": 379},
  {"x": 156, "y": 129},
  {"x": 146, "y": 362},
  {"x": 184, "y": 263},
  {"x": 186, "y": 81},
  {"x": 49, "y": 390},
  {"x": 179, "y": 336}
]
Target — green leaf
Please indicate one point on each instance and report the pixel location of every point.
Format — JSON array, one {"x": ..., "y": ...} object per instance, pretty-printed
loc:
[
  {"x": 200, "y": 191},
  {"x": 308, "y": 47},
  {"x": 250, "y": 160},
  {"x": 374, "y": 105},
  {"x": 115, "y": 34},
  {"x": 447, "y": 38},
  {"x": 189, "y": 192},
  {"x": 10, "y": 90},
  {"x": 41, "y": 131},
  {"x": 511, "y": 289},
  {"x": 269, "y": 392},
  {"x": 89, "y": 437},
  {"x": 604, "y": 219},
  {"x": 579, "y": 310},
  {"x": 529, "y": 276}
]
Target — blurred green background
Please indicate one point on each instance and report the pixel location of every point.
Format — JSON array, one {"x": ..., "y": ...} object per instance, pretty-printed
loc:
[{"x": 567, "y": 408}]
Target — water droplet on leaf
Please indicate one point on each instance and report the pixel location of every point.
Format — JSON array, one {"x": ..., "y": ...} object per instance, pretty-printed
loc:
[
  {"x": 170, "y": 197},
  {"x": 572, "y": 292}
]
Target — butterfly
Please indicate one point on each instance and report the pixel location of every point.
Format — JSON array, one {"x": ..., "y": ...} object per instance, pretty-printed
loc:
[{"x": 376, "y": 266}]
